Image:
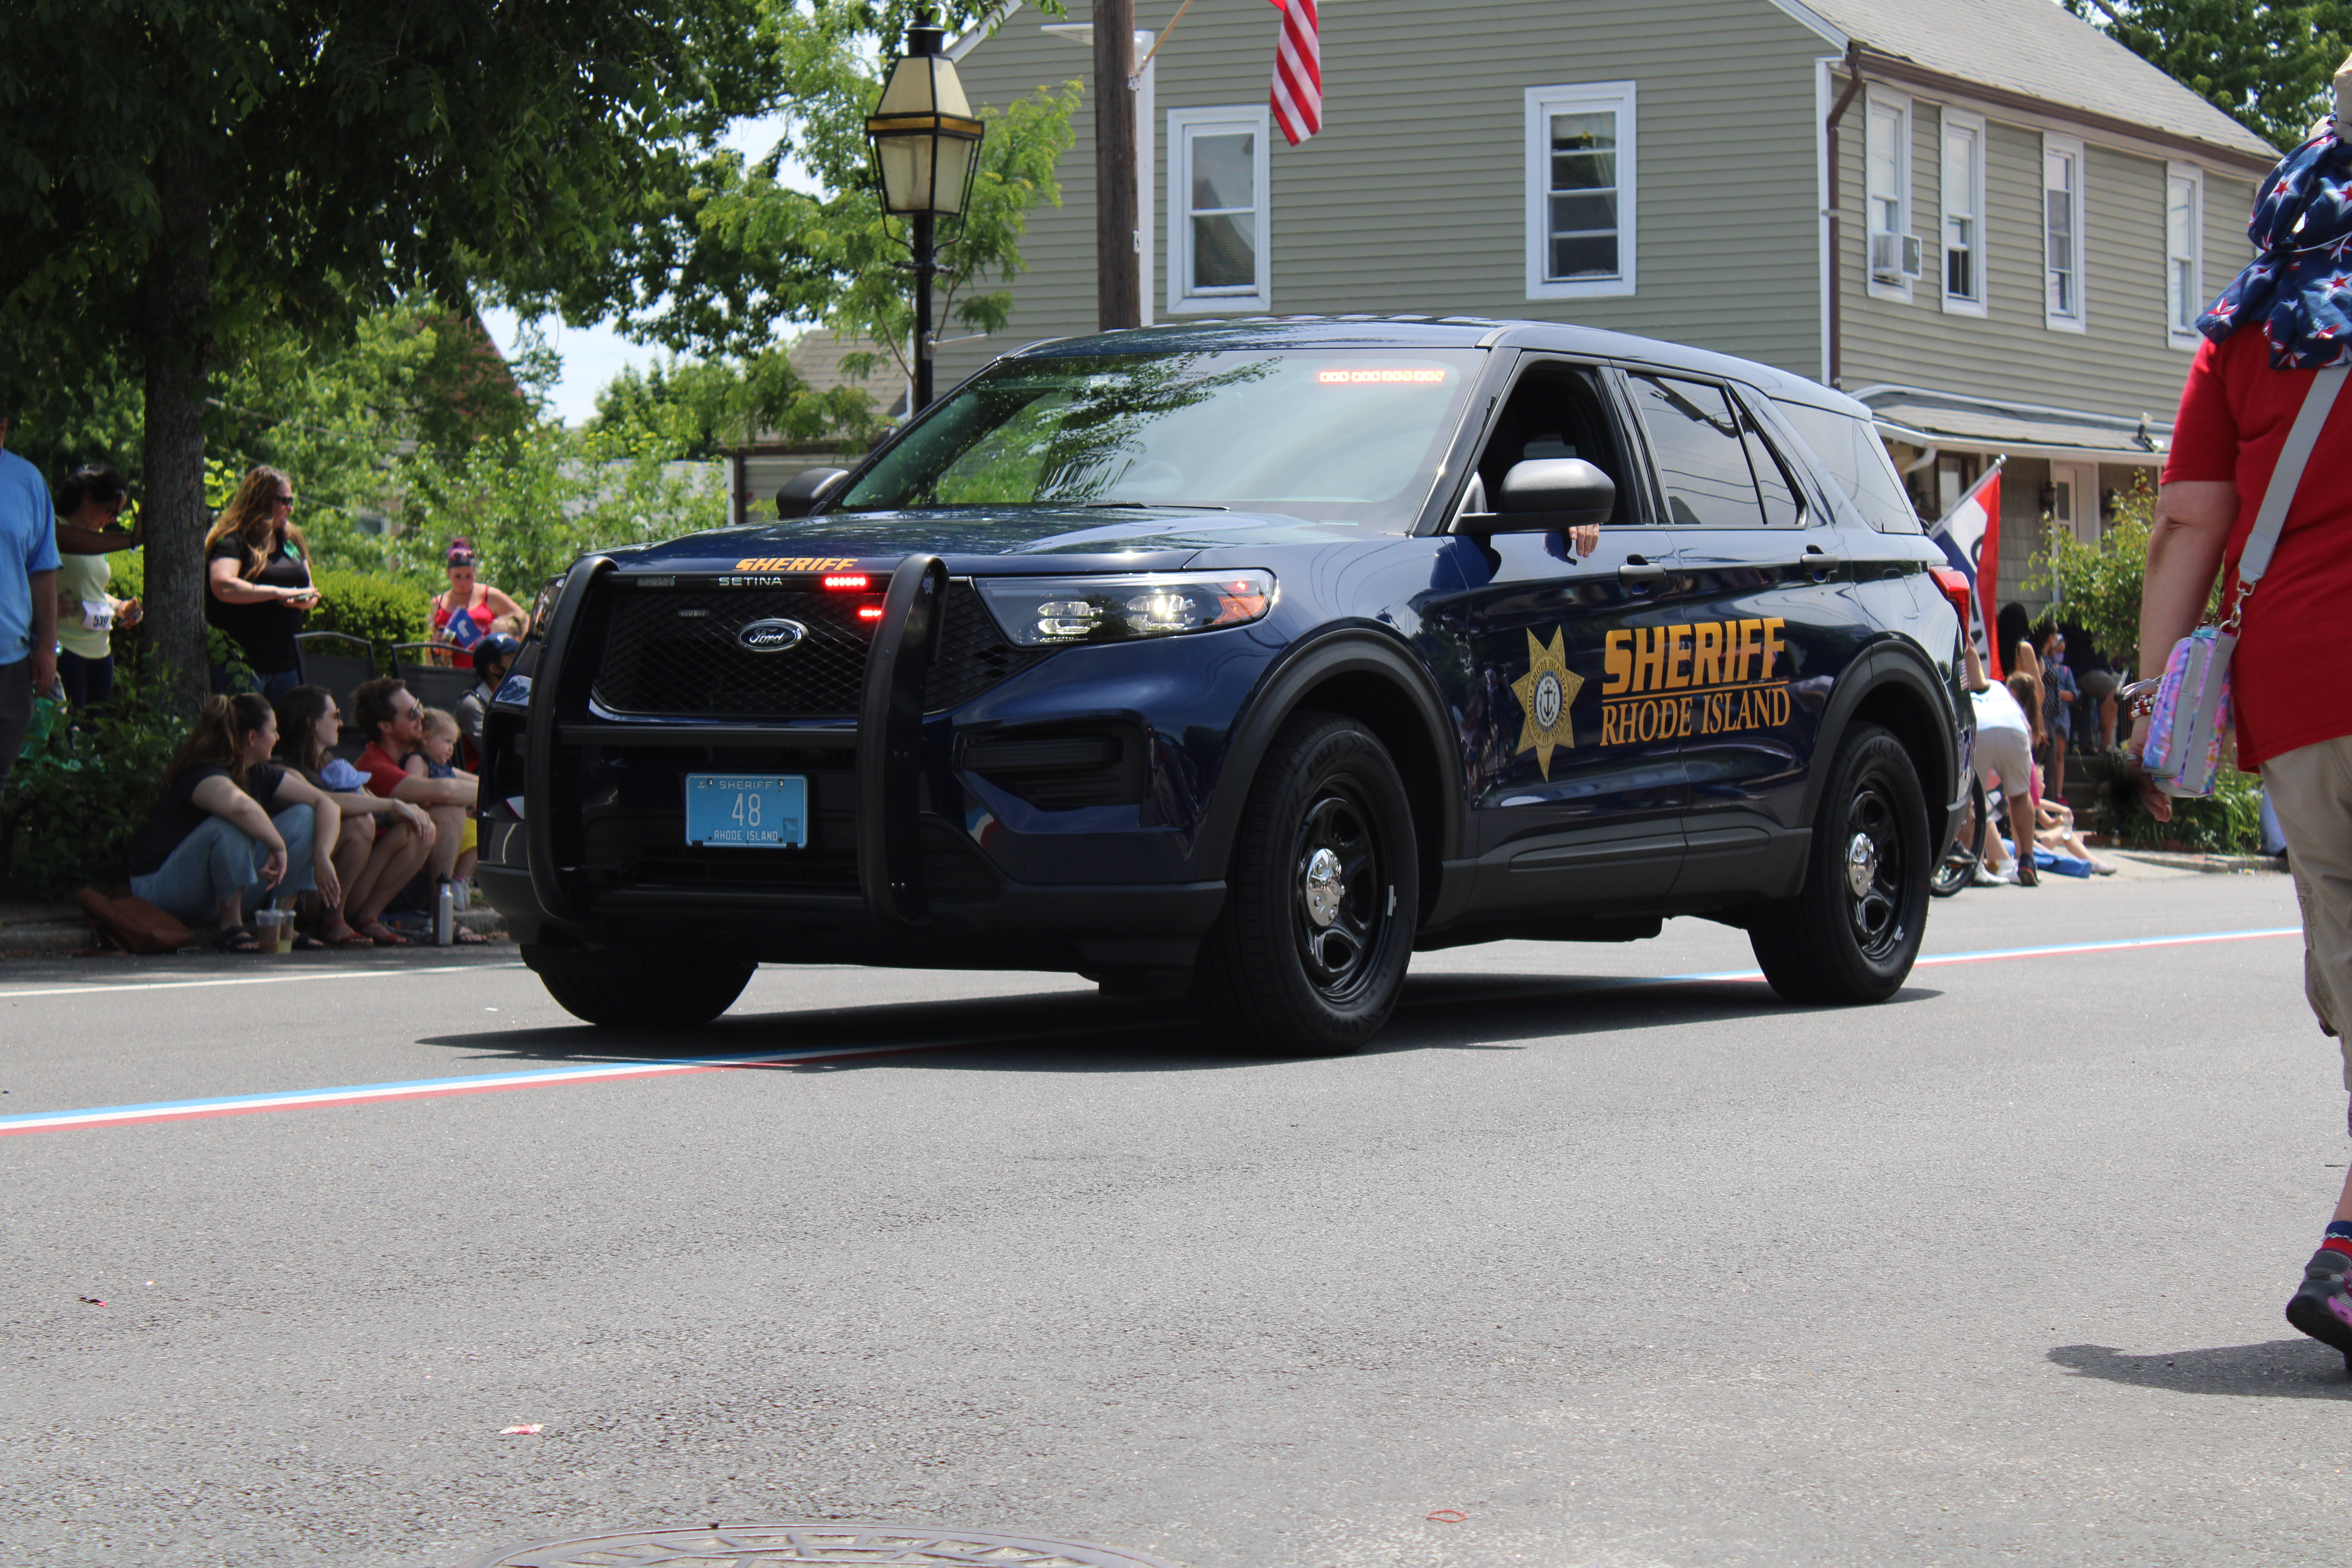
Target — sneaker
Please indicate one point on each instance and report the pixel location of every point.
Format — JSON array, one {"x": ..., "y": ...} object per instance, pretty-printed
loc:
[
  {"x": 2323, "y": 1308},
  {"x": 2007, "y": 874},
  {"x": 1984, "y": 877}
]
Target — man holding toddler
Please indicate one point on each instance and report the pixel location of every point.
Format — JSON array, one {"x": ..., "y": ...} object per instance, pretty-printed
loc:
[{"x": 393, "y": 722}]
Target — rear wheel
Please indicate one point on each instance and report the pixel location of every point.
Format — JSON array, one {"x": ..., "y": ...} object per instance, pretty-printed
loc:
[
  {"x": 1853, "y": 930},
  {"x": 676, "y": 994},
  {"x": 1959, "y": 867},
  {"x": 1310, "y": 952}
]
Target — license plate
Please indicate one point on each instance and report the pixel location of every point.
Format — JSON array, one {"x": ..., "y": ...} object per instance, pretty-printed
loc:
[{"x": 742, "y": 810}]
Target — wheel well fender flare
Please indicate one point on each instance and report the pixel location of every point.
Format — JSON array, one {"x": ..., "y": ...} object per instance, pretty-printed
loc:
[
  {"x": 1893, "y": 684},
  {"x": 1343, "y": 663}
]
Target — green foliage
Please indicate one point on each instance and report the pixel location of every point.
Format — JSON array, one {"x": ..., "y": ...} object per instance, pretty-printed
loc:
[
  {"x": 727, "y": 257},
  {"x": 533, "y": 510},
  {"x": 384, "y": 610},
  {"x": 692, "y": 409},
  {"x": 2097, "y": 586},
  {"x": 2266, "y": 63},
  {"x": 2227, "y": 822},
  {"x": 83, "y": 794}
]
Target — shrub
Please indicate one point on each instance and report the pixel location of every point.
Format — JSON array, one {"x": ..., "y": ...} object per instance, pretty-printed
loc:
[
  {"x": 384, "y": 610},
  {"x": 83, "y": 794}
]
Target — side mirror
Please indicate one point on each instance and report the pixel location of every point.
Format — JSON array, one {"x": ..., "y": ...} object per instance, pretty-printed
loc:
[
  {"x": 1543, "y": 495},
  {"x": 804, "y": 490}
]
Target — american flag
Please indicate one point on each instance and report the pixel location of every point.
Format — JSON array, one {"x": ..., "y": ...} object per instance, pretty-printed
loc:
[{"x": 1297, "y": 92}]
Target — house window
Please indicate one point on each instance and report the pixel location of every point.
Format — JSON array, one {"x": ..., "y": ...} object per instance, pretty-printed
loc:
[
  {"x": 2062, "y": 232},
  {"x": 2184, "y": 253},
  {"x": 1964, "y": 202},
  {"x": 1579, "y": 198},
  {"x": 1217, "y": 208},
  {"x": 1886, "y": 193}
]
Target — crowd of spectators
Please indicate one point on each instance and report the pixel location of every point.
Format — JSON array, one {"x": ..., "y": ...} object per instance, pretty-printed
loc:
[{"x": 278, "y": 800}]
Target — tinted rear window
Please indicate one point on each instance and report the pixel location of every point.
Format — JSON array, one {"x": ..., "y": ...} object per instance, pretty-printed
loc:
[{"x": 1852, "y": 452}]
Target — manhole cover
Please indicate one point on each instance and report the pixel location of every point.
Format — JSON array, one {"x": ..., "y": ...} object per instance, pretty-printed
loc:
[{"x": 829, "y": 1545}]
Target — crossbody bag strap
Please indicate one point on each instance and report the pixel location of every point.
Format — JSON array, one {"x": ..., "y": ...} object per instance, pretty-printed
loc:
[{"x": 2288, "y": 478}]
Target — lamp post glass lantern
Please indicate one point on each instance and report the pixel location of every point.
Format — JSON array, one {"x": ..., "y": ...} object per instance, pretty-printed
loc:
[{"x": 926, "y": 149}]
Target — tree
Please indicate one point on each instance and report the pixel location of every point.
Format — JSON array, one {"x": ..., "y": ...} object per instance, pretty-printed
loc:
[
  {"x": 695, "y": 408},
  {"x": 726, "y": 263},
  {"x": 176, "y": 174},
  {"x": 2266, "y": 64}
]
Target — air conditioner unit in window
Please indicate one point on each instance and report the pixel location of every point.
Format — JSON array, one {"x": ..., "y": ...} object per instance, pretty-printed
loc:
[{"x": 1894, "y": 257}]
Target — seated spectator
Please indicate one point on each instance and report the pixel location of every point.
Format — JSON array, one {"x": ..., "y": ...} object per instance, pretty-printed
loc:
[
  {"x": 2053, "y": 829},
  {"x": 493, "y": 656},
  {"x": 463, "y": 615},
  {"x": 385, "y": 843},
  {"x": 390, "y": 716},
  {"x": 234, "y": 828},
  {"x": 436, "y": 759}
]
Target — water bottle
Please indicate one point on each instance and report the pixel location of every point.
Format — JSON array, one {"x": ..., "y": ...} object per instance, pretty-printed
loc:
[{"x": 444, "y": 913}]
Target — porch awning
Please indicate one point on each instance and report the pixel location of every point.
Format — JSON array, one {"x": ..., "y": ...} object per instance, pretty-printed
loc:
[{"x": 1922, "y": 417}]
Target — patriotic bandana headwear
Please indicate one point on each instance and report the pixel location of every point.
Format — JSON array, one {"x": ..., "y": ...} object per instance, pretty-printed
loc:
[
  {"x": 2300, "y": 285},
  {"x": 1297, "y": 91}
]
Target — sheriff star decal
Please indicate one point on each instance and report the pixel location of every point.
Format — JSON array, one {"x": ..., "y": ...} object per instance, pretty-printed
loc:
[{"x": 1548, "y": 690}]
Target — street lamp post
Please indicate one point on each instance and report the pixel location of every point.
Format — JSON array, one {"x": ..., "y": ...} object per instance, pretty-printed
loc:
[{"x": 926, "y": 148}]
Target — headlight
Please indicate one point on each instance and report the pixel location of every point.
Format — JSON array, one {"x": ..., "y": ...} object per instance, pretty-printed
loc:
[
  {"x": 1043, "y": 612},
  {"x": 543, "y": 606}
]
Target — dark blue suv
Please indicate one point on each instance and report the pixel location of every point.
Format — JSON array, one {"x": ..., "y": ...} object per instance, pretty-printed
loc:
[{"x": 1242, "y": 659}]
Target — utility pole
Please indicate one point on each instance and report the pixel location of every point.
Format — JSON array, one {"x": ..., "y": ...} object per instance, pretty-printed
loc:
[{"x": 1119, "y": 289}]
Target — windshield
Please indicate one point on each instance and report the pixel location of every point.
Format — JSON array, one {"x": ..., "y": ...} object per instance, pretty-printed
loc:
[{"x": 1334, "y": 435}]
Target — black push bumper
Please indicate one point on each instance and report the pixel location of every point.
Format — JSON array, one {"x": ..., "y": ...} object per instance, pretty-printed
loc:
[{"x": 903, "y": 887}]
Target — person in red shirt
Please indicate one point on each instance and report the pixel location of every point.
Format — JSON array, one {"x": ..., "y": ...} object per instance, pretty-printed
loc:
[
  {"x": 2294, "y": 719},
  {"x": 388, "y": 714}
]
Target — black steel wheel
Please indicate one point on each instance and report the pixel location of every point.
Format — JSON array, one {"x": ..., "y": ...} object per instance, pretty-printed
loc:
[
  {"x": 1959, "y": 867},
  {"x": 676, "y": 993},
  {"x": 1853, "y": 929},
  {"x": 1310, "y": 952}
]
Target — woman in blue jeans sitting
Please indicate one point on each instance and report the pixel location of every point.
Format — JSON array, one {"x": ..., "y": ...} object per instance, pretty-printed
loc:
[{"x": 233, "y": 827}]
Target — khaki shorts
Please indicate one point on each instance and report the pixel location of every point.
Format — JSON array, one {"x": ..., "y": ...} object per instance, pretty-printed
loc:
[
  {"x": 2007, "y": 753},
  {"x": 2311, "y": 789}
]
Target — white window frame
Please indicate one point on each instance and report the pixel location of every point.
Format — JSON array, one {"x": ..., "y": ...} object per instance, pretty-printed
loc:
[
  {"x": 1899, "y": 106},
  {"x": 1585, "y": 98},
  {"x": 1183, "y": 125},
  {"x": 1973, "y": 126},
  {"x": 2079, "y": 319},
  {"x": 2175, "y": 176}
]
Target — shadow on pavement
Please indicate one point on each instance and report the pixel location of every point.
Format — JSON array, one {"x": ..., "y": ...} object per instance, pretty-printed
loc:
[
  {"x": 2277, "y": 1369},
  {"x": 1084, "y": 1031}
]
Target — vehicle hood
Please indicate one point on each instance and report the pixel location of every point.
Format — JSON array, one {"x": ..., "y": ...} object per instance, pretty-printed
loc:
[{"x": 1006, "y": 541}]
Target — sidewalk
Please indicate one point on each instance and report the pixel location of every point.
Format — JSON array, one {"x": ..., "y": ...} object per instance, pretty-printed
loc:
[{"x": 44, "y": 931}]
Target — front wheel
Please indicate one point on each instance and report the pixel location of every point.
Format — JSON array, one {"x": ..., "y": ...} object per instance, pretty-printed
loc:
[
  {"x": 682, "y": 994},
  {"x": 1309, "y": 955},
  {"x": 1853, "y": 930}
]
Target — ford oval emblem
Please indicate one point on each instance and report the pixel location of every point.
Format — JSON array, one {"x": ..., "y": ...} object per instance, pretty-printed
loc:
[{"x": 772, "y": 637}]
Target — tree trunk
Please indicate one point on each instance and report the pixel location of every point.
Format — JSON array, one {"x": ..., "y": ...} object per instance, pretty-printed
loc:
[{"x": 177, "y": 298}]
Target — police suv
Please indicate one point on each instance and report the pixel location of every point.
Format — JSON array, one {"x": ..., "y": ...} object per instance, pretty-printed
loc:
[{"x": 1243, "y": 659}]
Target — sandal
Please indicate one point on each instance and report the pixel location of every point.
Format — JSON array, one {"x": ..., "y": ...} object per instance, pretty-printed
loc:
[
  {"x": 305, "y": 942},
  {"x": 460, "y": 937},
  {"x": 237, "y": 939},
  {"x": 383, "y": 935},
  {"x": 349, "y": 938}
]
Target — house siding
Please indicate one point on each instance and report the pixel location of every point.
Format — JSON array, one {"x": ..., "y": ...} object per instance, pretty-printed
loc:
[
  {"x": 2122, "y": 364},
  {"x": 1413, "y": 197}
]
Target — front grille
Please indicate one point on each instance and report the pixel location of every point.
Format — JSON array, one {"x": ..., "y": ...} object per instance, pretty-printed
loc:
[{"x": 676, "y": 653}]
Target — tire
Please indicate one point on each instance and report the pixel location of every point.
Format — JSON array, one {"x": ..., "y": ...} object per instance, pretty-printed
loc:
[
  {"x": 1959, "y": 867},
  {"x": 1853, "y": 929},
  {"x": 688, "y": 993},
  {"x": 1322, "y": 899}
]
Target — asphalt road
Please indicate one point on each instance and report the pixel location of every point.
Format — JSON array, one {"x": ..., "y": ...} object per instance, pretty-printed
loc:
[{"x": 1659, "y": 1273}]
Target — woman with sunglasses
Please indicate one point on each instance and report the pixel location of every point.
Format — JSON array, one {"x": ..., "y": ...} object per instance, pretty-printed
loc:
[
  {"x": 383, "y": 842},
  {"x": 463, "y": 615},
  {"x": 257, "y": 572},
  {"x": 90, "y": 506}
]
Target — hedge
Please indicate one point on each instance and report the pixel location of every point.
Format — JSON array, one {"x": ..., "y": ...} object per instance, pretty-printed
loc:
[{"x": 383, "y": 610}]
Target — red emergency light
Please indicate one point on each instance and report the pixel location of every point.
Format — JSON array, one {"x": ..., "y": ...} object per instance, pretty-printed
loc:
[
  {"x": 850, "y": 581},
  {"x": 869, "y": 612}
]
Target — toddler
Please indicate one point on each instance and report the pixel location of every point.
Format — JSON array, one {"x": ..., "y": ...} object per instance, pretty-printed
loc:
[{"x": 435, "y": 761}]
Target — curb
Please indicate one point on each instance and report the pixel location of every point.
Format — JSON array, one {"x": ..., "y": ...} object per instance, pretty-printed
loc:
[
  {"x": 47, "y": 938},
  {"x": 2211, "y": 863}
]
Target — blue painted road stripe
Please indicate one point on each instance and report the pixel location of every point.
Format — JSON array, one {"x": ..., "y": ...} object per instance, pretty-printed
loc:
[{"x": 548, "y": 1077}]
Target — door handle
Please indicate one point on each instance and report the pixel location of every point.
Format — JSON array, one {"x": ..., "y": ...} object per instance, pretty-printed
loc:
[
  {"x": 1637, "y": 570},
  {"x": 1811, "y": 560}
]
